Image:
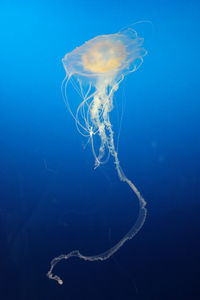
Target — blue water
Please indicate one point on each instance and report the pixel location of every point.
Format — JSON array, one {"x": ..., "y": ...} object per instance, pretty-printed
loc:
[{"x": 53, "y": 201}]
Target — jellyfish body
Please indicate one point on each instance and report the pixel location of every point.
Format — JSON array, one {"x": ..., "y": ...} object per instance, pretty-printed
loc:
[{"x": 100, "y": 65}]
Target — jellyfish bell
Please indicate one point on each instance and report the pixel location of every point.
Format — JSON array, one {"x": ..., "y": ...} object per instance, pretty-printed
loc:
[
  {"x": 95, "y": 70},
  {"x": 106, "y": 55}
]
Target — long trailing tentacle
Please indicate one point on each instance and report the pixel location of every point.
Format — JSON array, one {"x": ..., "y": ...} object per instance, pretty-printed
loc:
[
  {"x": 108, "y": 139},
  {"x": 130, "y": 234}
]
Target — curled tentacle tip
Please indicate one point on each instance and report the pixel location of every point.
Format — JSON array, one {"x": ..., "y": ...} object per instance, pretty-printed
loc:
[{"x": 60, "y": 281}]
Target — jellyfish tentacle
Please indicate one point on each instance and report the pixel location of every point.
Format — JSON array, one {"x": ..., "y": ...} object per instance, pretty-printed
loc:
[
  {"x": 64, "y": 95},
  {"x": 129, "y": 235},
  {"x": 94, "y": 111}
]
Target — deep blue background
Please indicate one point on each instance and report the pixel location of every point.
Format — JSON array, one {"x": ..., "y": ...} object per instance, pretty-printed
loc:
[{"x": 52, "y": 200}]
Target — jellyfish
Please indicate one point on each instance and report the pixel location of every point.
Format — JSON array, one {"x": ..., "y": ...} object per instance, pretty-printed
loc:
[{"x": 95, "y": 70}]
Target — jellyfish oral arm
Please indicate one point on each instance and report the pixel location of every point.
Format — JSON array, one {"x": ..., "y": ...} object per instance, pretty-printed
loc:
[
  {"x": 130, "y": 234},
  {"x": 99, "y": 117}
]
